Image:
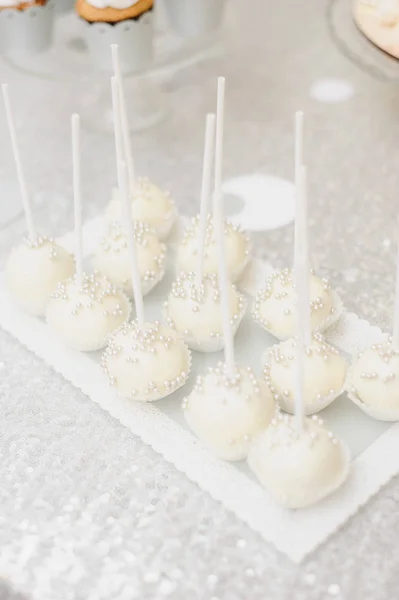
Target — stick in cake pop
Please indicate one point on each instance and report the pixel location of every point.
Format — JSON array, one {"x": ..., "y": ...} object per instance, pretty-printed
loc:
[
  {"x": 193, "y": 308},
  {"x": 273, "y": 306},
  {"x": 297, "y": 459},
  {"x": 112, "y": 257},
  {"x": 198, "y": 248},
  {"x": 36, "y": 266},
  {"x": 85, "y": 309},
  {"x": 324, "y": 368},
  {"x": 228, "y": 405},
  {"x": 373, "y": 380},
  {"x": 149, "y": 204},
  {"x": 144, "y": 361}
]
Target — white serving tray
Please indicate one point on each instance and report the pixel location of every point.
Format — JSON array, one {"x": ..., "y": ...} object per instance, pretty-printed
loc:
[{"x": 374, "y": 445}]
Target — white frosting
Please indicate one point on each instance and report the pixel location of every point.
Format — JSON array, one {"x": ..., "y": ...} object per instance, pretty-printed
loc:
[
  {"x": 324, "y": 374},
  {"x": 112, "y": 257},
  {"x": 85, "y": 317},
  {"x": 146, "y": 363},
  {"x": 118, "y": 4},
  {"x": 298, "y": 469},
  {"x": 10, "y": 3},
  {"x": 225, "y": 412},
  {"x": 196, "y": 314},
  {"x": 149, "y": 204},
  {"x": 374, "y": 382},
  {"x": 33, "y": 271},
  {"x": 275, "y": 305},
  {"x": 237, "y": 246}
]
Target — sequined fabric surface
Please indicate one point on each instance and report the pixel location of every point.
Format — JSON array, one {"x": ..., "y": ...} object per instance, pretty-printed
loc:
[{"x": 87, "y": 511}]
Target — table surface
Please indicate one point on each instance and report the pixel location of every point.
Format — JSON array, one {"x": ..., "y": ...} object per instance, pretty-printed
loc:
[{"x": 88, "y": 511}]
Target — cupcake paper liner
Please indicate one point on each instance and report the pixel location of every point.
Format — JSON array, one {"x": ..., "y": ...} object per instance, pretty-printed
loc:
[
  {"x": 194, "y": 18},
  {"x": 29, "y": 30}
]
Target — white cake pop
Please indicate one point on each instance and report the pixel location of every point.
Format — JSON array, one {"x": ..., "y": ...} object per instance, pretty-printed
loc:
[
  {"x": 85, "y": 309},
  {"x": 298, "y": 469},
  {"x": 324, "y": 374},
  {"x": 149, "y": 203},
  {"x": 196, "y": 313},
  {"x": 36, "y": 265},
  {"x": 274, "y": 305},
  {"x": 85, "y": 314},
  {"x": 228, "y": 405},
  {"x": 296, "y": 459},
  {"x": 33, "y": 271},
  {"x": 147, "y": 361},
  {"x": 373, "y": 381},
  {"x": 226, "y": 409},
  {"x": 238, "y": 248},
  {"x": 113, "y": 260}
]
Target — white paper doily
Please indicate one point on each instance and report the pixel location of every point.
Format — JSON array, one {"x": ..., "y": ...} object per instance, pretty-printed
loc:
[{"x": 374, "y": 445}]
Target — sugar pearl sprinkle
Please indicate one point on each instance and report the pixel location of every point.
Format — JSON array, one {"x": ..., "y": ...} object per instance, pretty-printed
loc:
[
  {"x": 284, "y": 277},
  {"x": 94, "y": 290},
  {"x": 144, "y": 341},
  {"x": 196, "y": 295},
  {"x": 224, "y": 378},
  {"x": 287, "y": 360},
  {"x": 229, "y": 229},
  {"x": 285, "y": 433},
  {"x": 39, "y": 241},
  {"x": 116, "y": 241}
]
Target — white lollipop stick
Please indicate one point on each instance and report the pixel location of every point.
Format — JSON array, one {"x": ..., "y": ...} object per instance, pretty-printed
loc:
[
  {"x": 20, "y": 173},
  {"x": 77, "y": 197},
  {"x": 127, "y": 146},
  {"x": 209, "y": 148},
  {"x": 302, "y": 248},
  {"x": 298, "y": 163},
  {"x": 117, "y": 130},
  {"x": 219, "y": 232},
  {"x": 395, "y": 335},
  {"x": 303, "y": 308},
  {"x": 136, "y": 282}
]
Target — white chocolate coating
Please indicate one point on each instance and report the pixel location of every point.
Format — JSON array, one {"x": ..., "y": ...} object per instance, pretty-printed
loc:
[
  {"x": 112, "y": 257},
  {"x": 149, "y": 205},
  {"x": 298, "y": 469},
  {"x": 85, "y": 317},
  {"x": 275, "y": 305},
  {"x": 147, "y": 363},
  {"x": 238, "y": 248},
  {"x": 33, "y": 271},
  {"x": 324, "y": 374},
  {"x": 373, "y": 382},
  {"x": 226, "y": 411},
  {"x": 195, "y": 313}
]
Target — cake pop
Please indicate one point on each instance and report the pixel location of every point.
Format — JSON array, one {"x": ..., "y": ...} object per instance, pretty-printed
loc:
[
  {"x": 228, "y": 405},
  {"x": 193, "y": 308},
  {"x": 85, "y": 309},
  {"x": 35, "y": 266},
  {"x": 143, "y": 361},
  {"x": 373, "y": 378},
  {"x": 112, "y": 259},
  {"x": 324, "y": 367},
  {"x": 297, "y": 459},
  {"x": 149, "y": 203},
  {"x": 274, "y": 304}
]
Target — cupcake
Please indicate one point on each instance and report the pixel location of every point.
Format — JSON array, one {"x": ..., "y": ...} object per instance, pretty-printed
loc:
[{"x": 128, "y": 23}]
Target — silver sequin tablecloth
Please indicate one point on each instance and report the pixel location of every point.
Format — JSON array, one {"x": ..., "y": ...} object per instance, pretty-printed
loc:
[{"x": 88, "y": 512}]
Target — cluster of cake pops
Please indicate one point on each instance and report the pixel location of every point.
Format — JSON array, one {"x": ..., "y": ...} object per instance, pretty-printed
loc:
[{"x": 237, "y": 415}]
